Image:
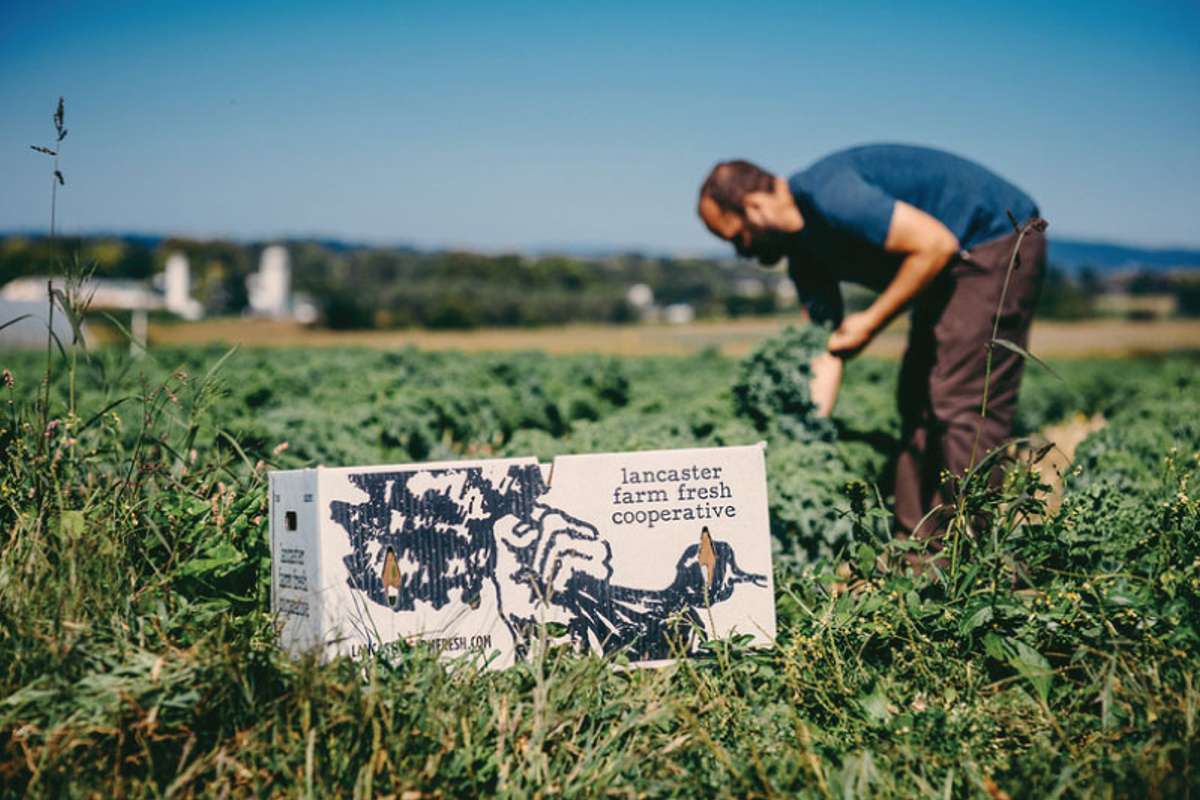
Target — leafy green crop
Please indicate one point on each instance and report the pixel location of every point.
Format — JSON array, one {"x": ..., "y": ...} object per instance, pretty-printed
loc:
[
  {"x": 772, "y": 389},
  {"x": 137, "y": 656}
]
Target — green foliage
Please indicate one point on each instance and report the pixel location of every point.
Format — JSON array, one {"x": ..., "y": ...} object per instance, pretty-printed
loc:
[
  {"x": 772, "y": 390},
  {"x": 1063, "y": 298},
  {"x": 137, "y": 657}
]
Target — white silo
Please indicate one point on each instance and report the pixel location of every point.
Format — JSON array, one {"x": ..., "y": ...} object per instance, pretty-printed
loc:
[
  {"x": 178, "y": 288},
  {"x": 270, "y": 288}
]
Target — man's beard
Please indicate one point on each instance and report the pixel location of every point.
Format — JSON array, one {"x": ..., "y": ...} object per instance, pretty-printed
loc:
[{"x": 768, "y": 246}]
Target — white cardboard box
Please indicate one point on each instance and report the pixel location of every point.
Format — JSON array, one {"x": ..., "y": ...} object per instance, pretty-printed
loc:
[{"x": 646, "y": 553}]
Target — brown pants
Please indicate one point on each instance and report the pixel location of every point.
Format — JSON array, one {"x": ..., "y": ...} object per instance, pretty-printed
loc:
[{"x": 942, "y": 377}]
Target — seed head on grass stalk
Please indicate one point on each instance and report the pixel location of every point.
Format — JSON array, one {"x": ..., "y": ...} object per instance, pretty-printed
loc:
[
  {"x": 72, "y": 298},
  {"x": 54, "y": 152},
  {"x": 56, "y": 180}
]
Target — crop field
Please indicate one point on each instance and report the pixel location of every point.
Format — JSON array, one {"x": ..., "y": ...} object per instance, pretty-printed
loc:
[{"x": 1058, "y": 657}]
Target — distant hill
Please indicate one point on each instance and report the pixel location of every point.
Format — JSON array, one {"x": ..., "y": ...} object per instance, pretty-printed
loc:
[{"x": 1073, "y": 255}]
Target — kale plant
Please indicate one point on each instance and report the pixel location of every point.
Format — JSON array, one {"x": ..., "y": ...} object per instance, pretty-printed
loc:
[{"x": 773, "y": 391}]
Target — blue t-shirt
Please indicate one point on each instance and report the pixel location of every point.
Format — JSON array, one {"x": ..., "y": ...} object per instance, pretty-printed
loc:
[{"x": 847, "y": 199}]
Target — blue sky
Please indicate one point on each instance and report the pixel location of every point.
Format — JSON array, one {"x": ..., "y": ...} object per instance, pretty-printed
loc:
[{"x": 514, "y": 125}]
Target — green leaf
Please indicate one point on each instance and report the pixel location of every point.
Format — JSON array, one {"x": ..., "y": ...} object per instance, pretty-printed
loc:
[
  {"x": 71, "y": 525},
  {"x": 875, "y": 706},
  {"x": 1107, "y": 718},
  {"x": 1034, "y": 667},
  {"x": 124, "y": 331},
  {"x": 996, "y": 647},
  {"x": 217, "y": 561},
  {"x": 865, "y": 555},
  {"x": 1021, "y": 351},
  {"x": 980, "y": 617},
  {"x": 70, "y": 312}
]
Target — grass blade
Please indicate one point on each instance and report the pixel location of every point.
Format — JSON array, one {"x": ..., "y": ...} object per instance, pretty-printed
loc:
[
  {"x": 15, "y": 320},
  {"x": 96, "y": 417},
  {"x": 1021, "y": 351}
]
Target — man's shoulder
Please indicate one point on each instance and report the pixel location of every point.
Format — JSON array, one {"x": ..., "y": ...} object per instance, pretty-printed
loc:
[
  {"x": 822, "y": 171},
  {"x": 822, "y": 183},
  {"x": 865, "y": 158},
  {"x": 834, "y": 190},
  {"x": 833, "y": 173}
]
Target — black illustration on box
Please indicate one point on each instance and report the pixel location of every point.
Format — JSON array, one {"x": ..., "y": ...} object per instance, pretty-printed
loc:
[{"x": 446, "y": 535}]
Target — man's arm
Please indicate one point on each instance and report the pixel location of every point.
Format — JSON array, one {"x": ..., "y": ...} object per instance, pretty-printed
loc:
[
  {"x": 826, "y": 379},
  {"x": 822, "y": 298},
  {"x": 929, "y": 245}
]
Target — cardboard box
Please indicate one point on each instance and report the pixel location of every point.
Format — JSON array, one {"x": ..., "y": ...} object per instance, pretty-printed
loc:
[{"x": 647, "y": 553}]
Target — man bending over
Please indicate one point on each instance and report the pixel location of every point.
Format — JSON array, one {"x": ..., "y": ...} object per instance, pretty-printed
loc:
[{"x": 923, "y": 228}]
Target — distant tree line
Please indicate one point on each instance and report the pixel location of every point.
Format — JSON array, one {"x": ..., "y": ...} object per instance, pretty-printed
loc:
[
  {"x": 394, "y": 287},
  {"x": 362, "y": 287},
  {"x": 390, "y": 288},
  {"x": 1088, "y": 293}
]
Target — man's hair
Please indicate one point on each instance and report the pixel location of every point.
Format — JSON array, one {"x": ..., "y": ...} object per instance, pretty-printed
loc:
[{"x": 730, "y": 182}]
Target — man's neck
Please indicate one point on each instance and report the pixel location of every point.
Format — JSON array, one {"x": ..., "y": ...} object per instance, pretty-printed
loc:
[{"x": 787, "y": 214}]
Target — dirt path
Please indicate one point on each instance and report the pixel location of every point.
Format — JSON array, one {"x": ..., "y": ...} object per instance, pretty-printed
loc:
[
  {"x": 1066, "y": 437},
  {"x": 731, "y": 337}
]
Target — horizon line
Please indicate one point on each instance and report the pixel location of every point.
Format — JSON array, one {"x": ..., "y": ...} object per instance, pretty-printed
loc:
[{"x": 594, "y": 249}]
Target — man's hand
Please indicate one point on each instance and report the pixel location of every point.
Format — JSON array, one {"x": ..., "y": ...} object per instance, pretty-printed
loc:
[
  {"x": 855, "y": 333},
  {"x": 826, "y": 378}
]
